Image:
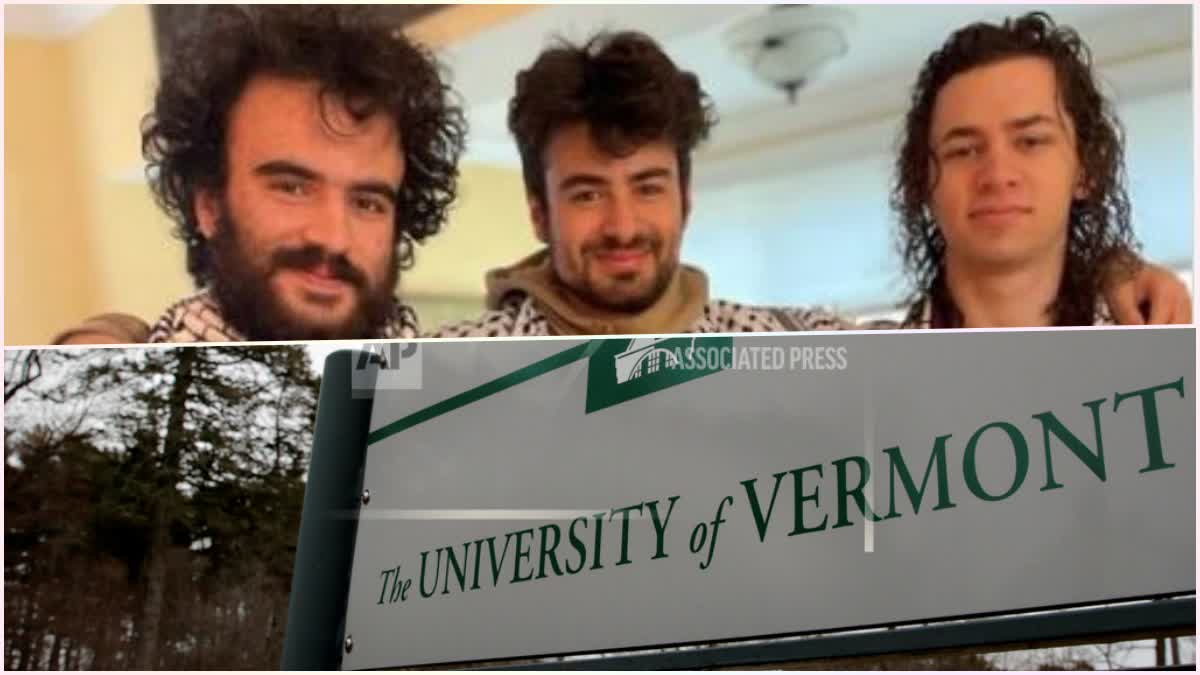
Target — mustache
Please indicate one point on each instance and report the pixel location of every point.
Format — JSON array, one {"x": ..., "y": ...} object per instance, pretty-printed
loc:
[
  {"x": 646, "y": 242},
  {"x": 313, "y": 255}
]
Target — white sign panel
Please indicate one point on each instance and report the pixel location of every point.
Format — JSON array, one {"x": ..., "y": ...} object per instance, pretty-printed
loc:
[{"x": 548, "y": 497}]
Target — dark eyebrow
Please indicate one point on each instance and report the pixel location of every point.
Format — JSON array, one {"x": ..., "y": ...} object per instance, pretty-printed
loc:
[
  {"x": 1030, "y": 121},
  {"x": 281, "y": 167},
  {"x": 581, "y": 179},
  {"x": 959, "y": 132},
  {"x": 657, "y": 172},
  {"x": 1018, "y": 124}
]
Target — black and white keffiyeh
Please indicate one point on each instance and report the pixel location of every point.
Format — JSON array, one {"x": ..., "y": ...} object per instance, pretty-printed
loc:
[{"x": 198, "y": 318}]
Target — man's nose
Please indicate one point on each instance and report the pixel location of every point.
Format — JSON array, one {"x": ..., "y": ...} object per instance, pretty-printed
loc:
[
  {"x": 621, "y": 222},
  {"x": 998, "y": 169},
  {"x": 329, "y": 224}
]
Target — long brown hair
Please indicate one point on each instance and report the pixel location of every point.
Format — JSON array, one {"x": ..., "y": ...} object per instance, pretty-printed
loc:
[{"x": 1099, "y": 224}]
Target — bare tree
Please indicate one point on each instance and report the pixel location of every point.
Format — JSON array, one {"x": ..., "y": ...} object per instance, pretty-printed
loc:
[
  {"x": 1114, "y": 655},
  {"x": 21, "y": 369}
]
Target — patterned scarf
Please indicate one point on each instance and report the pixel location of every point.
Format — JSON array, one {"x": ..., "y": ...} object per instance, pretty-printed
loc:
[{"x": 198, "y": 319}]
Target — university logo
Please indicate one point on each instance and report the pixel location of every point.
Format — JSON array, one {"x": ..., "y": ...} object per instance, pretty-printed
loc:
[{"x": 622, "y": 370}]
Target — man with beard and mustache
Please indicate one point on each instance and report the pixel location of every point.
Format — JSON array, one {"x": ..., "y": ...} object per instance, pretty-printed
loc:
[
  {"x": 606, "y": 132},
  {"x": 302, "y": 152}
]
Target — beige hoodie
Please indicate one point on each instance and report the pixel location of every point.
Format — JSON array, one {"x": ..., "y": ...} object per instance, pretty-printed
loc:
[{"x": 680, "y": 306}]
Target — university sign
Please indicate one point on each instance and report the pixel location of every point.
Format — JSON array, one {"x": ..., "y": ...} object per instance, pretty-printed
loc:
[{"x": 551, "y": 497}]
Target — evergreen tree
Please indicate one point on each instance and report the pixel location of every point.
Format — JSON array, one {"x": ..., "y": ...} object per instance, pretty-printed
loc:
[{"x": 183, "y": 486}]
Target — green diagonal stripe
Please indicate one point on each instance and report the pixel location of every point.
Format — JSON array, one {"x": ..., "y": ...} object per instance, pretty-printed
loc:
[{"x": 563, "y": 358}]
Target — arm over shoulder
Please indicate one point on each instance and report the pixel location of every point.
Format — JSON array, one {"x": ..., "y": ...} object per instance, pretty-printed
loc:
[{"x": 105, "y": 329}]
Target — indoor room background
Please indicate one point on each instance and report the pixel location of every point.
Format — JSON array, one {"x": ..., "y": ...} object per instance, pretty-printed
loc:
[{"x": 789, "y": 197}]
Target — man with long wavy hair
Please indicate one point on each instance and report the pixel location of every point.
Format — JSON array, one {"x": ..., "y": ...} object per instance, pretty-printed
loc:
[
  {"x": 1010, "y": 186},
  {"x": 302, "y": 152}
]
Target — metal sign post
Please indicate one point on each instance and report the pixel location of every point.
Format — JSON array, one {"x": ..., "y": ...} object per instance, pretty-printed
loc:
[{"x": 325, "y": 550}]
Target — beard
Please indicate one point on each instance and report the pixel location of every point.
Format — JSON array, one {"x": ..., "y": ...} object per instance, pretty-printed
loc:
[
  {"x": 241, "y": 286},
  {"x": 663, "y": 272}
]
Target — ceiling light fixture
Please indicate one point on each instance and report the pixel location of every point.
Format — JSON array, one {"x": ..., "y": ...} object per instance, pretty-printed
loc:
[{"x": 789, "y": 45}]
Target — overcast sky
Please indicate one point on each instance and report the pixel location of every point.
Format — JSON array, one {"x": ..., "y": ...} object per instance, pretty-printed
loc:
[{"x": 317, "y": 351}]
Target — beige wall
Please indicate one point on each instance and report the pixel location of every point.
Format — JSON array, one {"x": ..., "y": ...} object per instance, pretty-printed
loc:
[
  {"x": 47, "y": 252},
  {"x": 138, "y": 267},
  {"x": 489, "y": 227},
  {"x": 82, "y": 233}
]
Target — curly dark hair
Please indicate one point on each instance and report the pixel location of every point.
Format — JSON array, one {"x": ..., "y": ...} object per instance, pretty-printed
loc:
[
  {"x": 623, "y": 86},
  {"x": 1099, "y": 235},
  {"x": 353, "y": 58}
]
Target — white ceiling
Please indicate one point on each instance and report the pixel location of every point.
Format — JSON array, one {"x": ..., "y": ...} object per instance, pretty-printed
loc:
[
  {"x": 1140, "y": 50},
  {"x": 50, "y": 21}
]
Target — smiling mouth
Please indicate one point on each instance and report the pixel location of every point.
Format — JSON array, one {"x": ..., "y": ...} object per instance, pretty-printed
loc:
[
  {"x": 320, "y": 282},
  {"x": 622, "y": 256},
  {"x": 622, "y": 261}
]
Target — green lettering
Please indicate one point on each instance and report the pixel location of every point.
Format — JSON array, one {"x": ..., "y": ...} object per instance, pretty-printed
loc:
[
  {"x": 899, "y": 469},
  {"x": 386, "y": 574},
  {"x": 864, "y": 473},
  {"x": 1020, "y": 449},
  {"x": 577, "y": 543},
  {"x": 399, "y": 590},
  {"x": 459, "y": 573},
  {"x": 625, "y": 530},
  {"x": 1093, "y": 461},
  {"x": 599, "y": 517},
  {"x": 497, "y": 565},
  {"x": 1150, "y": 418},
  {"x": 660, "y": 526},
  {"x": 521, "y": 553},
  {"x": 436, "y": 573},
  {"x": 798, "y": 526},
  {"x": 478, "y": 556},
  {"x": 549, "y": 551},
  {"x": 760, "y": 523}
]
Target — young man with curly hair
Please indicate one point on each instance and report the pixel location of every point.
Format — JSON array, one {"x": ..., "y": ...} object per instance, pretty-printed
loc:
[
  {"x": 606, "y": 132},
  {"x": 301, "y": 151},
  {"x": 1010, "y": 185}
]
